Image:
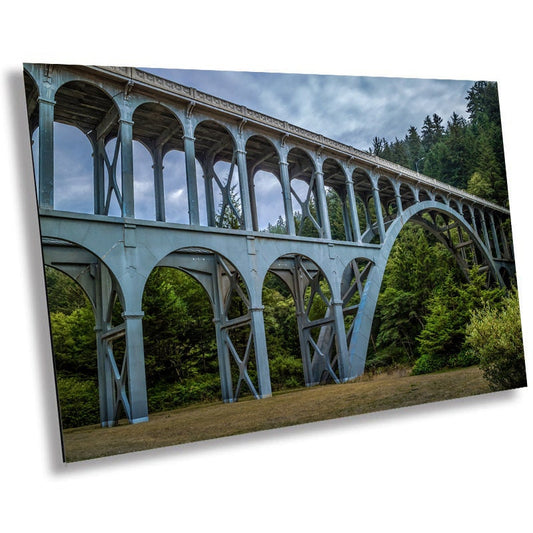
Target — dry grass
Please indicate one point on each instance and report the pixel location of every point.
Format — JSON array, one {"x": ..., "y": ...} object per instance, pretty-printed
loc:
[{"x": 297, "y": 407}]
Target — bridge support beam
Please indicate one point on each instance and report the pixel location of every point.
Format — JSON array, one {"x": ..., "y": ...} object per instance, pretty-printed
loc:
[
  {"x": 495, "y": 237},
  {"x": 159, "y": 189},
  {"x": 340, "y": 340},
  {"x": 192, "y": 187},
  {"x": 352, "y": 206},
  {"x": 126, "y": 160},
  {"x": 98, "y": 173},
  {"x": 260, "y": 349},
  {"x": 379, "y": 213},
  {"x": 322, "y": 205},
  {"x": 287, "y": 199},
  {"x": 244, "y": 190},
  {"x": 135, "y": 363},
  {"x": 46, "y": 153},
  {"x": 103, "y": 304}
]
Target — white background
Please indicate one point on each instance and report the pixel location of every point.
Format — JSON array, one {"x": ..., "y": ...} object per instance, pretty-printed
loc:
[{"x": 463, "y": 465}]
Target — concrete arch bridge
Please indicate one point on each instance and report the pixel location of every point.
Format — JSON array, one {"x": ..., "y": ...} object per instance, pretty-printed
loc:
[{"x": 110, "y": 249}]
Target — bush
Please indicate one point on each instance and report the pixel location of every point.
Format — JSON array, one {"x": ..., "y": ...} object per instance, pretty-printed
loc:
[
  {"x": 204, "y": 388},
  {"x": 441, "y": 343},
  {"x": 388, "y": 358},
  {"x": 495, "y": 335},
  {"x": 286, "y": 372},
  {"x": 78, "y": 401}
]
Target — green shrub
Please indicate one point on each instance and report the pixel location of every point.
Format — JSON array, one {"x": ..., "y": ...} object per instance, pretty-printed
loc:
[
  {"x": 389, "y": 357},
  {"x": 78, "y": 401},
  {"x": 286, "y": 372},
  {"x": 169, "y": 396},
  {"x": 495, "y": 335}
]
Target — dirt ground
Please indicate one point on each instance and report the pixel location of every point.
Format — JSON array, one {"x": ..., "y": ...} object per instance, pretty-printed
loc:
[{"x": 209, "y": 421}]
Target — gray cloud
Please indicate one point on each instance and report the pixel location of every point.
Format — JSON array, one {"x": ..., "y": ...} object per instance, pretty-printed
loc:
[{"x": 349, "y": 109}]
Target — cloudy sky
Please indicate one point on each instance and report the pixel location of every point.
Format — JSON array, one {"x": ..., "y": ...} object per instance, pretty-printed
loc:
[
  {"x": 352, "y": 110},
  {"x": 349, "y": 109}
]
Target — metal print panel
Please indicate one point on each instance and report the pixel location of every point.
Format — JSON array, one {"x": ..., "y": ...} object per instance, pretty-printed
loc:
[{"x": 228, "y": 252}]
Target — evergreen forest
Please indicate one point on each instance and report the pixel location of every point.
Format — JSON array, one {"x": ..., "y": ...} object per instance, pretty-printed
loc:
[{"x": 428, "y": 319}]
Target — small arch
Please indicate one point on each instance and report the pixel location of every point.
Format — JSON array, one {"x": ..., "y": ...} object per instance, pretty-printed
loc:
[
  {"x": 231, "y": 304},
  {"x": 440, "y": 198},
  {"x": 387, "y": 196},
  {"x": 337, "y": 200},
  {"x": 160, "y": 131},
  {"x": 92, "y": 111},
  {"x": 312, "y": 296},
  {"x": 266, "y": 194},
  {"x": 175, "y": 188},
  {"x": 424, "y": 196},
  {"x": 215, "y": 148},
  {"x": 73, "y": 170},
  {"x": 302, "y": 170},
  {"x": 363, "y": 187},
  {"x": 454, "y": 204},
  {"x": 88, "y": 107},
  {"x": 407, "y": 194}
]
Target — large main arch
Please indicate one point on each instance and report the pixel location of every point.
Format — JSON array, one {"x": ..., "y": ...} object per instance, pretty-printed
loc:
[{"x": 358, "y": 344}]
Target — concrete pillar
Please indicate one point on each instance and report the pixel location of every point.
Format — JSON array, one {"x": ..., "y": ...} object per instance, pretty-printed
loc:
[
  {"x": 287, "y": 196},
  {"x": 352, "y": 207},
  {"x": 485, "y": 232},
  {"x": 192, "y": 186},
  {"x": 244, "y": 190},
  {"x": 126, "y": 161},
  {"x": 495, "y": 236},
  {"x": 506, "y": 248},
  {"x": 224, "y": 363},
  {"x": 46, "y": 153},
  {"x": 98, "y": 174},
  {"x": 399, "y": 205},
  {"x": 322, "y": 206},
  {"x": 208, "y": 171},
  {"x": 340, "y": 341},
  {"x": 103, "y": 294},
  {"x": 261, "y": 353},
  {"x": 379, "y": 213},
  {"x": 473, "y": 216},
  {"x": 159, "y": 188},
  {"x": 136, "y": 371},
  {"x": 253, "y": 200}
]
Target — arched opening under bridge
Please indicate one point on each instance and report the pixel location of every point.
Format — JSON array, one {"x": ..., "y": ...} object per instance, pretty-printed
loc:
[
  {"x": 210, "y": 341},
  {"x": 437, "y": 272}
]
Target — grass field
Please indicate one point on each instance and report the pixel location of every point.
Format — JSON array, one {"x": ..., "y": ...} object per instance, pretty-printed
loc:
[{"x": 209, "y": 421}]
